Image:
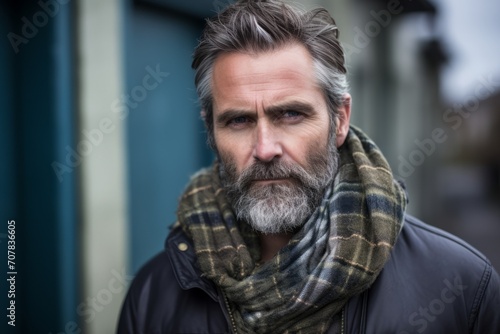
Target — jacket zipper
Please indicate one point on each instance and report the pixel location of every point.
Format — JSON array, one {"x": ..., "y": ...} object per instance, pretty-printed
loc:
[
  {"x": 342, "y": 322},
  {"x": 364, "y": 306},
  {"x": 233, "y": 324}
]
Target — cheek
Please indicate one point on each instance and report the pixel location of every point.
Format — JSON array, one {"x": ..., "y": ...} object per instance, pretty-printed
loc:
[
  {"x": 301, "y": 144},
  {"x": 231, "y": 153}
]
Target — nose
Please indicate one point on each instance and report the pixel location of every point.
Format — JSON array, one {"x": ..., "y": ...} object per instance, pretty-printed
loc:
[{"x": 267, "y": 145}]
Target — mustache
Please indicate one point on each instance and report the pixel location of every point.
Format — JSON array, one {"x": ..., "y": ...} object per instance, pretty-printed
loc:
[{"x": 272, "y": 170}]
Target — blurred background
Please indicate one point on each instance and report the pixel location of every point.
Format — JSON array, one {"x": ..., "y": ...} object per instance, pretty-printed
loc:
[{"x": 100, "y": 132}]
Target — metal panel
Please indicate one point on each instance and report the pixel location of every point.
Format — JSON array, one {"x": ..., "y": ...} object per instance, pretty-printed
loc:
[
  {"x": 165, "y": 135},
  {"x": 37, "y": 116}
]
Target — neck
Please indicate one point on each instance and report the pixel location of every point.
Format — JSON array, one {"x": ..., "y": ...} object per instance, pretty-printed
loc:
[{"x": 270, "y": 244}]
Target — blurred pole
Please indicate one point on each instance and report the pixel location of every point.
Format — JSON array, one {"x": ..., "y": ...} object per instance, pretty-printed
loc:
[{"x": 102, "y": 153}]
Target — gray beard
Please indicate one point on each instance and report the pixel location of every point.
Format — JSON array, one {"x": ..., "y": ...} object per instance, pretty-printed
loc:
[{"x": 283, "y": 206}]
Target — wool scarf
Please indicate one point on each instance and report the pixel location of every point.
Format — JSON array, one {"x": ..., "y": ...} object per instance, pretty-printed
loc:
[{"x": 337, "y": 253}]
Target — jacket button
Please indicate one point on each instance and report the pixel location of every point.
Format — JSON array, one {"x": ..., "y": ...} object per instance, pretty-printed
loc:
[{"x": 182, "y": 247}]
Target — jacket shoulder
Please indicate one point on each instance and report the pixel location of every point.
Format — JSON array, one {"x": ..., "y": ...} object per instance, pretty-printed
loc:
[
  {"x": 434, "y": 282},
  {"x": 168, "y": 295},
  {"x": 462, "y": 269},
  {"x": 437, "y": 240},
  {"x": 149, "y": 290}
]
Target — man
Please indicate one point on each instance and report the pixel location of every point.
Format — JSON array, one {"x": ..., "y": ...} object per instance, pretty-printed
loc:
[{"x": 298, "y": 227}]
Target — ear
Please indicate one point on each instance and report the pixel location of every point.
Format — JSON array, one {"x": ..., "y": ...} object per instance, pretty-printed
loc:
[
  {"x": 344, "y": 116},
  {"x": 203, "y": 115}
]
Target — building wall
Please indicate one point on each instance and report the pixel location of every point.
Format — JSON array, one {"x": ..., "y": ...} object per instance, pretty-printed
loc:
[
  {"x": 37, "y": 122},
  {"x": 165, "y": 135}
]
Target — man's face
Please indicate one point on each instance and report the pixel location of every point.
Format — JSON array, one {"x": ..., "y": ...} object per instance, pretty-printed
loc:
[{"x": 272, "y": 135}]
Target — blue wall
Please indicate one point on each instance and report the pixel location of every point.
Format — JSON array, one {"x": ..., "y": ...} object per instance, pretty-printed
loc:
[
  {"x": 8, "y": 192},
  {"x": 166, "y": 139},
  {"x": 37, "y": 122}
]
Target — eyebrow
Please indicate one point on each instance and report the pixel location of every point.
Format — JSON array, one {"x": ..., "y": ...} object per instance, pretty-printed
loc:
[
  {"x": 290, "y": 106},
  {"x": 229, "y": 114},
  {"x": 273, "y": 111}
]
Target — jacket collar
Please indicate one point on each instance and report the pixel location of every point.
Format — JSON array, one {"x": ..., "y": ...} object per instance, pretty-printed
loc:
[{"x": 182, "y": 255}]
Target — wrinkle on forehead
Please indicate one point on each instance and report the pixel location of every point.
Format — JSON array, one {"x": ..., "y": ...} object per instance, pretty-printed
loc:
[{"x": 271, "y": 75}]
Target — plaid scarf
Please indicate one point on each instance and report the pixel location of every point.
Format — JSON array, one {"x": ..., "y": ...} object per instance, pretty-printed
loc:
[{"x": 338, "y": 253}]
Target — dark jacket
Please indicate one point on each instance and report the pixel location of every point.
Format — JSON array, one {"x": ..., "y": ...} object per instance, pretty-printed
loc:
[{"x": 433, "y": 283}]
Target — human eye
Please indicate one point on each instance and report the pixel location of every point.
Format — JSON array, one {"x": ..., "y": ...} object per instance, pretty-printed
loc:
[
  {"x": 291, "y": 114},
  {"x": 238, "y": 122}
]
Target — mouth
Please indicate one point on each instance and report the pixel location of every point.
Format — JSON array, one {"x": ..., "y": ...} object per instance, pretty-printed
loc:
[{"x": 268, "y": 181}]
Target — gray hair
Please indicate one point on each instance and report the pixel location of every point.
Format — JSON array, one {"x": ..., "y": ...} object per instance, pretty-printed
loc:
[{"x": 266, "y": 25}]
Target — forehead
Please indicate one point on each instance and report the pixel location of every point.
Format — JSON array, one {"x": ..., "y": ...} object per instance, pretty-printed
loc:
[{"x": 264, "y": 77}]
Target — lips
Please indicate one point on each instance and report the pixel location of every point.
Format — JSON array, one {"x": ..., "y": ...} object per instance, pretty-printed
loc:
[{"x": 264, "y": 182}]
